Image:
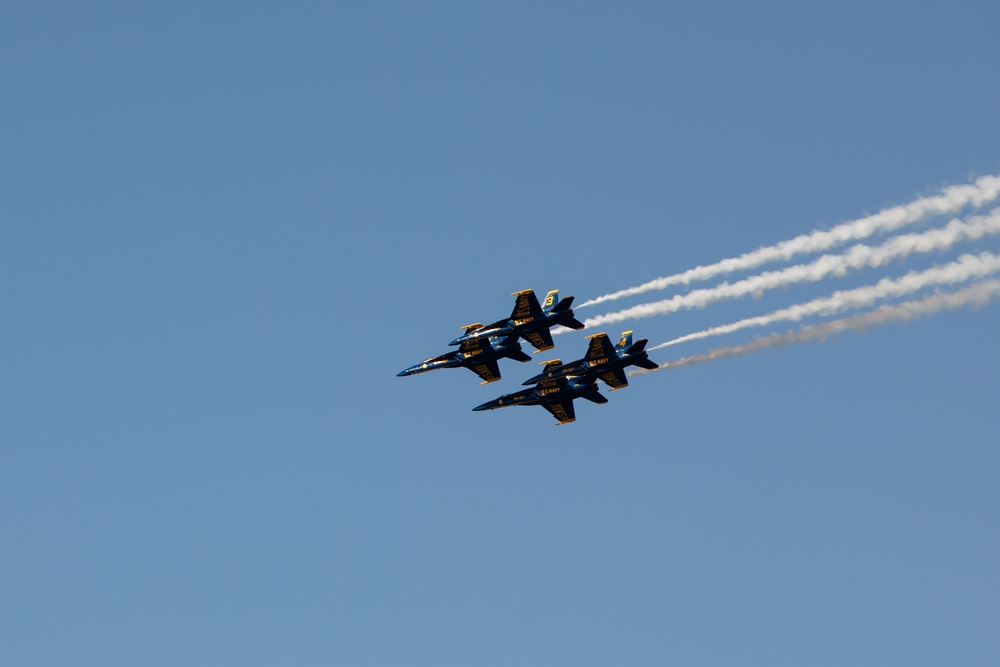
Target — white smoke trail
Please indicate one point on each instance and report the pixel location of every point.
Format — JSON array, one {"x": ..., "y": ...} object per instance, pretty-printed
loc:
[
  {"x": 951, "y": 200},
  {"x": 965, "y": 268},
  {"x": 975, "y": 296},
  {"x": 859, "y": 256}
]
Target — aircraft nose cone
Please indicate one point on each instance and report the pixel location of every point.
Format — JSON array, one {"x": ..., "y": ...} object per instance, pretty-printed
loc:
[
  {"x": 457, "y": 341},
  {"x": 412, "y": 370}
]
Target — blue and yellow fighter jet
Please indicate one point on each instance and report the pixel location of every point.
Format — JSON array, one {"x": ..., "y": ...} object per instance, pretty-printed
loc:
[
  {"x": 555, "y": 395},
  {"x": 479, "y": 355},
  {"x": 603, "y": 360},
  {"x": 530, "y": 321}
]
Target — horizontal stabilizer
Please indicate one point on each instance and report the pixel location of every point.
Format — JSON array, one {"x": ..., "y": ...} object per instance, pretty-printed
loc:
[
  {"x": 639, "y": 346},
  {"x": 565, "y": 304},
  {"x": 519, "y": 355},
  {"x": 573, "y": 323},
  {"x": 647, "y": 364},
  {"x": 596, "y": 397}
]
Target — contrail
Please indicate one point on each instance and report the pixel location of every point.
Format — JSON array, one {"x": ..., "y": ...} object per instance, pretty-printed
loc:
[
  {"x": 857, "y": 257},
  {"x": 975, "y": 296},
  {"x": 965, "y": 268},
  {"x": 951, "y": 200}
]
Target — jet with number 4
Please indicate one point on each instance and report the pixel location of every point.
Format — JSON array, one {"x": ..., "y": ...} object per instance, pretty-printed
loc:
[
  {"x": 530, "y": 321},
  {"x": 603, "y": 360},
  {"x": 555, "y": 395},
  {"x": 479, "y": 355}
]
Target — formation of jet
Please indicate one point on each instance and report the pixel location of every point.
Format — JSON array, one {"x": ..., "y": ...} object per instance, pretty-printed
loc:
[
  {"x": 556, "y": 387},
  {"x": 479, "y": 355}
]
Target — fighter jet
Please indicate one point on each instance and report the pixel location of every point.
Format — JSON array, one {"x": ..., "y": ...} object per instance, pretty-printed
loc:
[
  {"x": 530, "y": 321},
  {"x": 603, "y": 360},
  {"x": 554, "y": 395},
  {"x": 479, "y": 355}
]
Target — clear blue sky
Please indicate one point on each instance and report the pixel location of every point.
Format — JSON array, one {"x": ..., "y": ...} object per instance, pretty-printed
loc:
[{"x": 225, "y": 226}]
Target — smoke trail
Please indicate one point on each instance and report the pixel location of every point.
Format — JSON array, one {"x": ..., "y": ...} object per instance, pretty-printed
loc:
[
  {"x": 975, "y": 296},
  {"x": 953, "y": 199},
  {"x": 967, "y": 267},
  {"x": 859, "y": 256}
]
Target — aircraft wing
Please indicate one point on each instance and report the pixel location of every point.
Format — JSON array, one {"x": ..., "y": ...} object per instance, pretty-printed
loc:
[
  {"x": 489, "y": 371},
  {"x": 473, "y": 344},
  {"x": 540, "y": 340},
  {"x": 526, "y": 308},
  {"x": 563, "y": 411},
  {"x": 600, "y": 348},
  {"x": 615, "y": 378}
]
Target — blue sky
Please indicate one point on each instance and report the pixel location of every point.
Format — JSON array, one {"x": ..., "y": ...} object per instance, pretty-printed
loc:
[{"x": 227, "y": 226}]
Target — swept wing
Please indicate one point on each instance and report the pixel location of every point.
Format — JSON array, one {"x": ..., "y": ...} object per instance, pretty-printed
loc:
[
  {"x": 489, "y": 371},
  {"x": 540, "y": 339},
  {"x": 562, "y": 410},
  {"x": 614, "y": 378}
]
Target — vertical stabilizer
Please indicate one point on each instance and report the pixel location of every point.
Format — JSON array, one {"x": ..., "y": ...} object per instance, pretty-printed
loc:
[{"x": 551, "y": 299}]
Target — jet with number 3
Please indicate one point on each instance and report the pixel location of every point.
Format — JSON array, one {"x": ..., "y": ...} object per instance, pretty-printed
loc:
[{"x": 530, "y": 321}]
